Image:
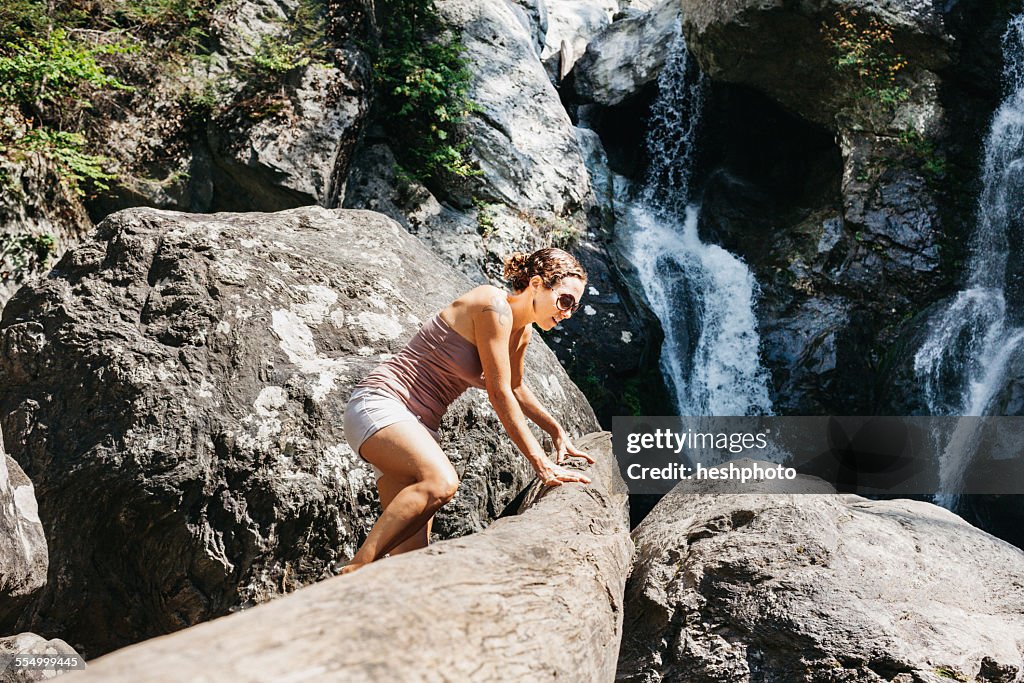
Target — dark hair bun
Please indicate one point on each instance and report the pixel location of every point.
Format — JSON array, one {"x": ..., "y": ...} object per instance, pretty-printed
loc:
[
  {"x": 550, "y": 264},
  {"x": 517, "y": 270}
]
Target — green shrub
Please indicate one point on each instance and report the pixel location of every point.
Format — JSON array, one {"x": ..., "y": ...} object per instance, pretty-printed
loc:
[
  {"x": 52, "y": 68},
  {"x": 303, "y": 42},
  {"x": 423, "y": 86},
  {"x": 933, "y": 163},
  {"x": 67, "y": 151},
  {"x": 865, "y": 50},
  {"x": 278, "y": 57},
  {"x": 50, "y": 77},
  {"x": 25, "y": 253}
]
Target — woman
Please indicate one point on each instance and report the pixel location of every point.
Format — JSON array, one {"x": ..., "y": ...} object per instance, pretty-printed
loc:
[{"x": 478, "y": 340}]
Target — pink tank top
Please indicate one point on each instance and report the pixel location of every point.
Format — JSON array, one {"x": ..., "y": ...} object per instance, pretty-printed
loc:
[{"x": 433, "y": 370}]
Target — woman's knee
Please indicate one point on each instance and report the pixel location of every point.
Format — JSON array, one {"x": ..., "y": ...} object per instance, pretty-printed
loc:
[{"x": 440, "y": 487}]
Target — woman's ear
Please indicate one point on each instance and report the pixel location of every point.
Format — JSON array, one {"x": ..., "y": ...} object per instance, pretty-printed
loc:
[{"x": 536, "y": 282}]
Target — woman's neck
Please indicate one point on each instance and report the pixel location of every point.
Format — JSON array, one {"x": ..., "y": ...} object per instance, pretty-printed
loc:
[{"x": 523, "y": 312}]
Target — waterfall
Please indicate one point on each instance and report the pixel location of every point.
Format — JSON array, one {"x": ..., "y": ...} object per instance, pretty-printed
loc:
[
  {"x": 703, "y": 295},
  {"x": 964, "y": 361}
]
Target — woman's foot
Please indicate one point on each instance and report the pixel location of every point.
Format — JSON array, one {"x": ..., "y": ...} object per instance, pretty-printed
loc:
[{"x": 352, "y": 566}]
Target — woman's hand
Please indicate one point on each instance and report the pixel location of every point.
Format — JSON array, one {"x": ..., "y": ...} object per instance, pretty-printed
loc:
[
  {"x": 564, "y": 448},
  {"x": 551, "y": 474}
]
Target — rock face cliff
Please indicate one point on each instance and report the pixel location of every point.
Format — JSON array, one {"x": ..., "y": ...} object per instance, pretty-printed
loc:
[
  {"x": 854, "y": 239},
  {"x": 837, "y": 155},
  {"x": 174, "y": 389},
  {"x": 809, "y": 587},
  {"x": 220, "y": 132}
]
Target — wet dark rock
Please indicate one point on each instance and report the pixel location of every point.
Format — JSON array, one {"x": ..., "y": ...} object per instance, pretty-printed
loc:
[
  {"x": 781, "y": 49},
  {"x": 175, "y": 390},
  {"x": 843, "y": 209}
]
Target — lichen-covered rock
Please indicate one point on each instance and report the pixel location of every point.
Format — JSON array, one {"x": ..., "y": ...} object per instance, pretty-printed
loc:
[
  {"x": 804, "y": 587},
  {"x": 23, "y": 559},
  {"x": 175, "y": 391},
  {"x": 32, "y": 644},
  {"x": 627, "y": 56}
]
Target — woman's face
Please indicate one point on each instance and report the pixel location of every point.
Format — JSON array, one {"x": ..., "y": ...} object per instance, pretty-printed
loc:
[{"x": 552, "y": 306}]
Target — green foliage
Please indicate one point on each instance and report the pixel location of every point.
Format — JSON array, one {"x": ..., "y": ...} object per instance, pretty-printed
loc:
[
  {"x": 278, "y": 57},
  {"x": 865, "y": 50},
  {"x": 950, "y": 673},
  {"x": 52, "y": 68},
  {"x": 52, "y": 73},
  {"x": 24, "y": 253},
  {"x": 303, "y": 43},
  {"x": 631, "y": 397},
  {"x": 933, "y": 163},
  {"x": 67, "y": 151},
  {"x": 174, "y": 26},
  {"x": 423, "y": 84},
  {"x": 563, "y": 234},
  {"x": 20, "y": 19},
  {"x": 484, "y": 217}
]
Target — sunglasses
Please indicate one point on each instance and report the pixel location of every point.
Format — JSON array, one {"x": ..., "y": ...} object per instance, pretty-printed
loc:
[{"x": 567, "y": 303}]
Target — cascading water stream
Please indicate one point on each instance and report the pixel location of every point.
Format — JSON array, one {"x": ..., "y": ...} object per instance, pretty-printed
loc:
[
  {"x": 963, "y": 363},
  {"x": 702, "y": 294}
]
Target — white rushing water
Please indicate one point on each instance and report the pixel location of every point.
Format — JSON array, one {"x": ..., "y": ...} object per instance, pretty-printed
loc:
[
  {"x": 964, "y": 361},
  {"x": 703, "y": 295}
]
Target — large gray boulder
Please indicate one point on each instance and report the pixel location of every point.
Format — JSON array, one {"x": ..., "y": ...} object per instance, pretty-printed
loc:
[
  {"x": 23, "y": 559},
  {"x": 536, "y": 596},
  {"x": 627, "y": 56},
  {"x": 521, "y": 136},
  {"x": 807, "y": 587},
  {"x": 571, "y": 25},
  {"x": 175, "y": 390}
]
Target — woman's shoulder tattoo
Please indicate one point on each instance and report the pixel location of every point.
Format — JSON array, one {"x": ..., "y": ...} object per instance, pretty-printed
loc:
[{"x": 499, "y": 306}]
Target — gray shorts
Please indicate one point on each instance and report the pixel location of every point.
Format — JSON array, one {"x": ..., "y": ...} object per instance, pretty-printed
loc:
[{"x": 370, "y": 410}]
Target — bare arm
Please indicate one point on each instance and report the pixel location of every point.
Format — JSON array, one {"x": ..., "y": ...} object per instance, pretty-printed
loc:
[
  {"x": 533, "y": 409},
  {"x": 536, "y": 412},
  {"x": 493, "y": 327}
]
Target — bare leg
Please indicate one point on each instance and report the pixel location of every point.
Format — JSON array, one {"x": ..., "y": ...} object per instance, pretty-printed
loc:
[
  {"x": 406, "y": 452},
  {"x": 388, "y": 487}
]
